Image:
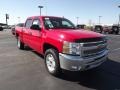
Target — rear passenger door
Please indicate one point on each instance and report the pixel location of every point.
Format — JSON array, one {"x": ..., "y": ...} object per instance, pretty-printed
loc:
[{"x": 35, "y": 38}]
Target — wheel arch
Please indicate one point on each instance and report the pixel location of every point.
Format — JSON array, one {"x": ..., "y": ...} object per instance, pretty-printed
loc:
[{"x": 47, "y": 46}]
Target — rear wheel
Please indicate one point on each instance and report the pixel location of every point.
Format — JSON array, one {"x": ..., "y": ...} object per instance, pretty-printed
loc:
[
  {"x": 52, "y": 62},
  {"x": 20, "y": 44}
]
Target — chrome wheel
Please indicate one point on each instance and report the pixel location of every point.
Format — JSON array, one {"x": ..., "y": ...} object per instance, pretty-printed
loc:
[
  {"x": 18, "y": 43},
  {"x": 50, "y": 62}
]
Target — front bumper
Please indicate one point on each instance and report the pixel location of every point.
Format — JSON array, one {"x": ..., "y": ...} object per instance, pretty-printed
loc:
[{"x": 77, "y": 63}]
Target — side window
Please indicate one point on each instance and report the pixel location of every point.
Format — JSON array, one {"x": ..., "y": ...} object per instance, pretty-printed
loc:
[
  {"x": 36, "y": 24},
  {"x": 28, "y": 23}
]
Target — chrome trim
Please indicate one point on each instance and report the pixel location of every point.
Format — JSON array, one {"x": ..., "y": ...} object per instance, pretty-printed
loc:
[
  {"x": 93, "y": 42},
  {"x": 67, "y": 61}
]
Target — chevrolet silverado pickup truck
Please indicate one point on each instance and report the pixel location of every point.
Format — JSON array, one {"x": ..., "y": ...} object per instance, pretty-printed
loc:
[{"x": 63, "y": 46}]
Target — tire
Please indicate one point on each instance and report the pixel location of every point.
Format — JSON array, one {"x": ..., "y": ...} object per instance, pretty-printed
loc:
[
  {"x": 1, "y": 29},
  {"x": 52, "y": 62},
  {"x": 20, "y": 44},
  {"x": 117, "y": 32}
]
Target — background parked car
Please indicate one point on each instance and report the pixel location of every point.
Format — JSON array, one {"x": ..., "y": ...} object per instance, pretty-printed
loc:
[
  {"x": 106, "y": 29},
  {"x": 13, "y": 27},
  {"x": 81, "y": 26},
  {"x": 115, "y": 29},
  {"x": 1, "y": 29},
  {"x": 2, "y": 25},
  {"x": 98, "y": 28}
]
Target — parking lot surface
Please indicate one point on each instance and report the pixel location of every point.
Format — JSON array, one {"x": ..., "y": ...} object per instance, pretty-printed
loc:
[{"x": 25, "y": 69}]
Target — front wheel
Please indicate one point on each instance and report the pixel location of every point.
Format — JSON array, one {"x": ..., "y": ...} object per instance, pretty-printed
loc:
[
  {"x": 52, "y": 62},
  {"x": 20, "y": 44}
]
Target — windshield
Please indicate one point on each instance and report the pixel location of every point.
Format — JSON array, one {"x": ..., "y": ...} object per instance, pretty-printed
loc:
[{"x": 58, "y": 23}]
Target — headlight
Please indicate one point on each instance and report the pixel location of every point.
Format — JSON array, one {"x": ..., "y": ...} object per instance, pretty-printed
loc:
[{"x": 71, "y": 48}]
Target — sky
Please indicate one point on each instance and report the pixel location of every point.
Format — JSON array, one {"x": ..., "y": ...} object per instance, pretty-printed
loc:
[{"x": 88, "y": 11}]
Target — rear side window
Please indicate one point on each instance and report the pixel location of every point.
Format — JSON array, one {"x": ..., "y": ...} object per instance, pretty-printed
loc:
[{"x": 28, "y": 23}]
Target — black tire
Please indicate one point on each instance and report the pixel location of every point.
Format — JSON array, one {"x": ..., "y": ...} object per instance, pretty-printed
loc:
[
  {"x": 117, "y": 32},
  {"x": 1, "y": 29},
  {"x": 20, "y": 44},
  {"x": 54, "y": 53}
]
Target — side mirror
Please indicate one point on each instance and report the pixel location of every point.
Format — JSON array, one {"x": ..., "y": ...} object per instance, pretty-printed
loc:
[{"x": 35, "y": 27}]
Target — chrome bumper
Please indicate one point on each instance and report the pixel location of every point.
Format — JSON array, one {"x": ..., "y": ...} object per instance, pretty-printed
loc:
[{"x": 77, "y": 63}]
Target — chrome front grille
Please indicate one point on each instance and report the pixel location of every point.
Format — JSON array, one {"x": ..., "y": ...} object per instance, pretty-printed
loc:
[{"x": 93, "y": 48}]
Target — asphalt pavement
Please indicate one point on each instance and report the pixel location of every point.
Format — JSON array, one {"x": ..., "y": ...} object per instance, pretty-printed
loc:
[{"x": 25, "y": 69}]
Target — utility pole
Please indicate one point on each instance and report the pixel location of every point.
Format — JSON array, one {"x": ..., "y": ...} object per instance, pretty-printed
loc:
[{"x": 40, "y": 7}]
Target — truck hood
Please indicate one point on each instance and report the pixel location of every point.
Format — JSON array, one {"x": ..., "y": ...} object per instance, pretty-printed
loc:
[{"x": 71, "y": 35}]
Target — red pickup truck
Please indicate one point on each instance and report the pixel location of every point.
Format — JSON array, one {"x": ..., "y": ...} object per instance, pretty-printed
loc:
[{"x": 62, "y": 44}]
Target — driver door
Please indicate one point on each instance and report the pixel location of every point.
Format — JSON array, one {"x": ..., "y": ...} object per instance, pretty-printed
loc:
[{"x": 35, "y": 34}]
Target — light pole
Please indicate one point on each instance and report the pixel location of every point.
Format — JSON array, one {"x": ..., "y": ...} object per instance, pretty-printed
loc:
[
  {"x": 77, "y": 20},
  {"x": 119, "y": 17},
  {"x": 100, "y": 19},
  {"x": 40, "y": 7}
]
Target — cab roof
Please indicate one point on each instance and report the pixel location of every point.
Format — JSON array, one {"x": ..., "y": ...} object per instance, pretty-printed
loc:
[{"x": 43, "y": 17}]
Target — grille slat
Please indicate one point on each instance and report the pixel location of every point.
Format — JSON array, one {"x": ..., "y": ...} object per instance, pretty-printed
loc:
[
  {"x": 94, "y": 43},
  {"x": 93, "y": 47}
]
